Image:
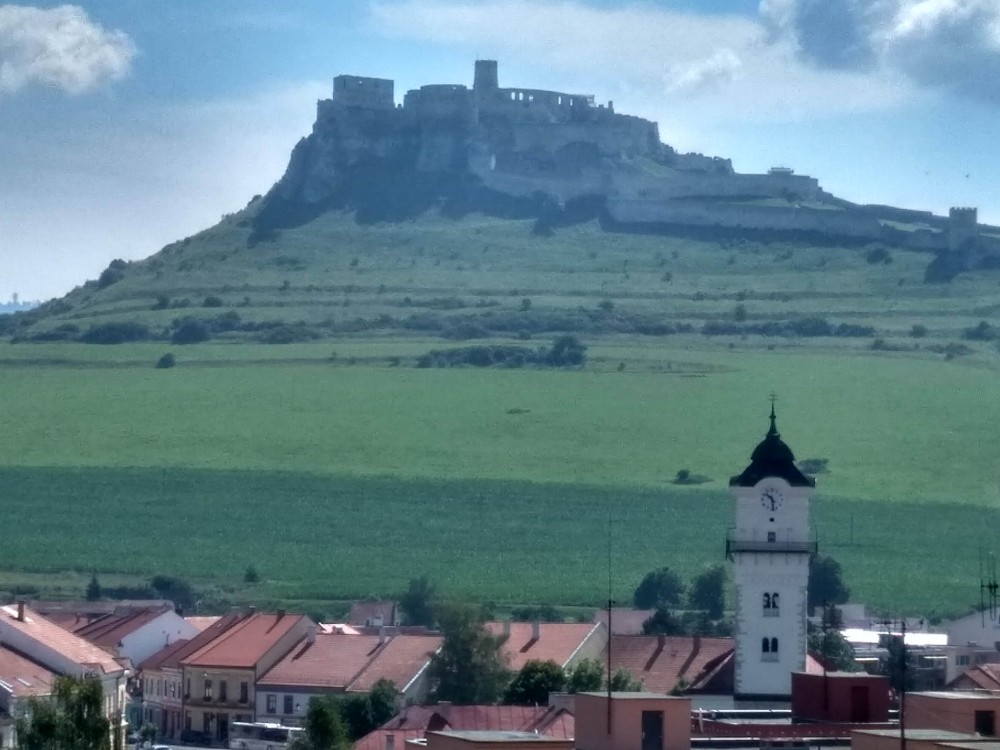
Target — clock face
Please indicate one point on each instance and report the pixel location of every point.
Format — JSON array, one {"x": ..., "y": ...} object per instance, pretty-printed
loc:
[{"x": 771, "y": 499}]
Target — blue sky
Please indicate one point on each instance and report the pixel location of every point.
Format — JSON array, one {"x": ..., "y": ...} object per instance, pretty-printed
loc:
[{"x": 126, "y": 124}]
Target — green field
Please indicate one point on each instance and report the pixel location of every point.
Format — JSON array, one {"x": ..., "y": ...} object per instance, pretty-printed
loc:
[{"x": 339, "y": 480}]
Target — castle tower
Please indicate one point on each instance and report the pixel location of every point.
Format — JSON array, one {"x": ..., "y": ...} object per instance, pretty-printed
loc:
[
  {"x": 962, "y": 227},
  {"x": 487, "y": 81},
  {"x": 770, "y": 546}
]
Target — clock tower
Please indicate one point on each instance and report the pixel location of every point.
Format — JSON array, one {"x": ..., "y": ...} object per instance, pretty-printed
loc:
[{"x": 770, "y": 546}]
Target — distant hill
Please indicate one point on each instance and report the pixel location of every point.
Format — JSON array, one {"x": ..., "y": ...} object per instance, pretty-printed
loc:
[{"x": 486, "y": 211}]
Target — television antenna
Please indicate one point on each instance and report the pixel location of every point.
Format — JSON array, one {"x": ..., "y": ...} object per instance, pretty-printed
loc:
[{"x": 988, "y": 587}]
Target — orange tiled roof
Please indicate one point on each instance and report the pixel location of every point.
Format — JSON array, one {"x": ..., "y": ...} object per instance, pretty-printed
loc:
[
  {"x": 108, "y": 631},
  {"x": 24, "y": 676},
  {"x": 463, "y": 718},
  {"x": 401, "y": 659},
  {"x": 171, "y": 656},
  {"x": 202, "y": 622},
  {"x": 557, "y": 641},
  {"x": 625, "y": 621},
  {"x": 331, "y": 661},
  {"x": 661, "y": 661},
  {"x": 363, "y": 613},
  {"x": 70, "y": 646},
  {"x": 246, "y": 642},
  {"x": 376, "y": 740},
  {"x": 982, "y": 677}
]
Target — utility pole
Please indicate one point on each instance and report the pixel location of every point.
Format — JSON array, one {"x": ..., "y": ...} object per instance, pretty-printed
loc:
[{"x": 902, "y": 692}]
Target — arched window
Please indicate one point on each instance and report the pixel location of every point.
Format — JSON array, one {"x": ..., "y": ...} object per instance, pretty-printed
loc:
[
  {"x": 774, "y": 600},
  {"x": 774, "y": 645},
  {"x": 765, "y": 645},
  {"x": 767, "y": 601}
]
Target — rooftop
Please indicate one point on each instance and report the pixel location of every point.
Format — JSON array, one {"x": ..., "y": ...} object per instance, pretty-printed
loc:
[
  {"x": 171, "y": 656},
  {"x": 23, "y": 677},
  {"x": 107, "y": 631},
  {"x": 556, "y": 641},
  {"x": 331, "y": 661},
  {"x": 661, "y": 661},
  {"x": 68, "y": 645},
  {"x": 551, "y": 721},
  {"x": 772, "y": 458},
  {"x": 931, "y": 735},
  {"x": 401, "y": 660},
  {"x": 246, "y": 642},
  {"x": 202, "y": 622},
  {"x": 956, "y": 695},
  {"x": 636, "y": 696},
  {"x": 499, "y": 736}
]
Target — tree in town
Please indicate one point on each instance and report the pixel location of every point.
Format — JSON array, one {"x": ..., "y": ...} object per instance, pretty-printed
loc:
[
  {"x": 177, "y": 590},
  {"x": 72, "y": 718},
  {"x": 586, "y": 676},
  {"x": 622, "y": 681},
  {"x": 662, "y": 622},
  {"x": 708, "y": 591},
  {"x": 93, "y": 588},
  {"x": 826, "y": 584},
  {"x": 324, "y": 727},
  {"x": 418, "y": 602},
  {"x": 659, "y": 588},
  {"x": 366, "y": 712},
  {"x": 471, "y": 666},
  {"x": 532, "y": 685}
]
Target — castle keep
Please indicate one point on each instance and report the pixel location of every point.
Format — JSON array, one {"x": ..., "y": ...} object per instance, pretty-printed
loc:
[{"x": 525, "y": 143}]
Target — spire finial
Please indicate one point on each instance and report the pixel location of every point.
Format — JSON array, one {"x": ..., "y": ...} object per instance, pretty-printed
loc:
[{"x": 774, "y": 429}]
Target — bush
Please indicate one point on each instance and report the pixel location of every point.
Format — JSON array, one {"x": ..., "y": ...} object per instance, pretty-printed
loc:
[
  {"x": 115, "y": 333},
  {"x": 982, "y": 331},
  {"x": 212, "y": 301},
  {"x": 114, "y": 273},
  {"x": 877, "y": 254},
  {"x": 166, "y": 361},
  {"x": 918, "y": 331},
  {"x": 190, "y": 331},
  {"x": 162, "y": 302}
]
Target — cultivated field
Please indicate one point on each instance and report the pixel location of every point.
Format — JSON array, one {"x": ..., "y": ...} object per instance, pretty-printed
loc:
[{"x": 344, "y": 476}]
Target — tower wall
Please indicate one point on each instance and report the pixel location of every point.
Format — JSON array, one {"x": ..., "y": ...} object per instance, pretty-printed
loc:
[
  {"x": 360, "y": 91},
  {"x": 963, "y": 226},
  {"x": 487, "y": 78}
]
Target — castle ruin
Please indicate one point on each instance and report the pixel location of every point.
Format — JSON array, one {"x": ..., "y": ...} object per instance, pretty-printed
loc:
[{"x": 523, "y": 142}]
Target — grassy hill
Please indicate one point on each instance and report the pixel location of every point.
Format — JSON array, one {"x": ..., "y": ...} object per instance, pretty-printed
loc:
[{"x": 304, "y": 438}]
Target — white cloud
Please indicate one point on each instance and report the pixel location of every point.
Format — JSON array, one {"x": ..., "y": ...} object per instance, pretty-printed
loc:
[
  {"x": 59, "y": 47},
  {"x": 652, "y": 59},
  {"x": 951, "y": 45}
]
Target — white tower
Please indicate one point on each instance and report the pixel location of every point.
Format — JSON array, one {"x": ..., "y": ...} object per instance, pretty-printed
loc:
[{"x": 770, "y": 546}]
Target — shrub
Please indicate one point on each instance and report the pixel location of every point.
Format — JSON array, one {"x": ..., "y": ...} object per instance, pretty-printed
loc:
[
  {"x": 877, "y": 254},
  {"x": 166, "y": 361},
  {"x": 251, "y": 575},
  {"x": 162, "y": 302},
  {"x": 190, "y": 331},
  {"x": 982, "y": 331},
  {"x": 918, "y": 331},
  {"x": 212, "y": 301},
  {"x": 288, "y": 334},
  {"x": 115, "y": 333}
]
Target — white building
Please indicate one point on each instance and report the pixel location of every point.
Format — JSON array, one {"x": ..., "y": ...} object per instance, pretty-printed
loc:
[
  {"x": 137, "y": 635},
  {"x": 770, "y": 547}
]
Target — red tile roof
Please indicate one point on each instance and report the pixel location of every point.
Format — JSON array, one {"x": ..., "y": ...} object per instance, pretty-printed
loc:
[
  {"x": 625, "y": 621},
  {"x": 109, "y": 630},
  {"x": 546, "y": 719},
  {"x": 982, "y": 677},
  {"x": 172, "y": 656},
  {"x": 331, "y": 662},
  {"x": 376, "y": 740},
  {"x": 557, "y": 642},
  {"x": 401, "y": 660},
  {"x": 661, "y": 661},
  {"x": 202, "y": 622},
  {"x": 366, "y": 613},
  {"x": 245, "y": 643},
  {"x": 23, "y": 676},
  {"x": 70, "y": 646}
]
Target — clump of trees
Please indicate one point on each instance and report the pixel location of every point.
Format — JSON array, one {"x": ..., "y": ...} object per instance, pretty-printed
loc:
[
  {"x": 566, "y": 351},
  {"x": 72, "y": 718}
]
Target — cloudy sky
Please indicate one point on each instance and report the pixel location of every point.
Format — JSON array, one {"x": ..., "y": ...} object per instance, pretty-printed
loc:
[{"x": 126, "y": 124}]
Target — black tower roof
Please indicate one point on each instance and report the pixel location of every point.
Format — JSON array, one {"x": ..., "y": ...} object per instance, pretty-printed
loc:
[{"x": 772, "y": 458}]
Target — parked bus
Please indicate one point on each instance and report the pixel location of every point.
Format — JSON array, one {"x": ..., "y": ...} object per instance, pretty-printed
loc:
[{"x": 260, "y": 735}]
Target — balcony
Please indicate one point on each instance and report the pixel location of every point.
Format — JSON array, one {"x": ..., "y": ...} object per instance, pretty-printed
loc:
[{"x": 779, "y": 546}]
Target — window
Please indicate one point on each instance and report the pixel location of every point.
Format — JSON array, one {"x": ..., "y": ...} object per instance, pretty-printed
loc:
[
  {"x": 272, "y": 703},
  {"x": 771, "y": 605},
  {"x": 223, "y": 690},
  {"x": 962, "y": 660},
  {"x": 187, "y": 691},
  {"x": 769, "y": 649},
  {"x": 187, "y": 720},
  {"x": 159, "y": 687},
  {"x": 985, "y": 723},
  {"x": 772, "y": 537},
  {"x": 289, "y": 704},
  {"x": 208, "y": 690},
  {"x": 244, "y": 692}
]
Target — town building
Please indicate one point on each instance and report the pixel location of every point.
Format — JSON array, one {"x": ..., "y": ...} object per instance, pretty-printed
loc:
[
  {"x": 770, "y": 547},
  {"x": 331, "y": 663},
  {"x": 565, "y": 643},
  {"x": 376, "y": 614},
  {"x": 137, "y": 635},
  {"x": 219, "y": 678}
]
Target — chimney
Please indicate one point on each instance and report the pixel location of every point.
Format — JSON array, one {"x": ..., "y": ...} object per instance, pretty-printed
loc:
[
  {"x": 506, "y": 630},
  {"x": 20, "y": 611},
  {"x": 390, "y": 742},
  {"x": 536, "y": 630},
  {"x": 661, "y": 641},
  {"x": 311, "y": 634},
  {"x": 281, "y": 613},
  {"x": 382, "y": 636}
]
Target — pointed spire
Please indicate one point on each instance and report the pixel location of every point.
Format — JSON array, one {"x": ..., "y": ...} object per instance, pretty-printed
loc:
[{"x": 773, "y": 431}]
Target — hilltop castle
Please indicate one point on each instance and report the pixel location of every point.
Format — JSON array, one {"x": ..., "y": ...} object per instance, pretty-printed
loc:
[{"x": 524, "y": 143}]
